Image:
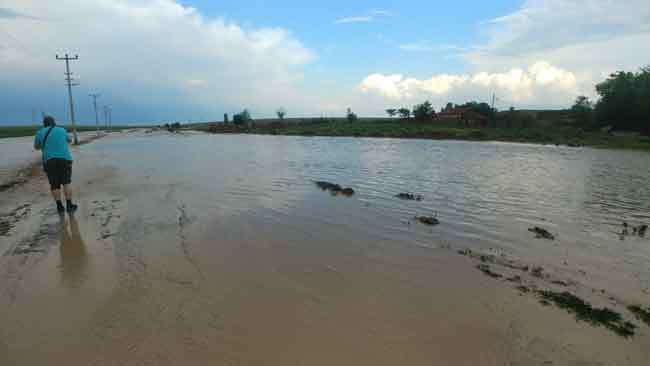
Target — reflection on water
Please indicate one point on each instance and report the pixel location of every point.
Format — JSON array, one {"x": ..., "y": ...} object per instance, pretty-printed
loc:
[{"x": 74, "y": 258}]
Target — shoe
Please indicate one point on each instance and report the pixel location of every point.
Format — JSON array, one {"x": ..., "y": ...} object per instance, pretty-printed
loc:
[{"x": 72, "y": 208}]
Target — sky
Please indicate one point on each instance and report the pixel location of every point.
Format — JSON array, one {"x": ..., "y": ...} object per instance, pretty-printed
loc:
[{"x": 157, "y": 61}]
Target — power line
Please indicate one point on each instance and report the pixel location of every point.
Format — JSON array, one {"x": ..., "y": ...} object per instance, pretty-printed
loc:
[{"x": 69, "y": 79}]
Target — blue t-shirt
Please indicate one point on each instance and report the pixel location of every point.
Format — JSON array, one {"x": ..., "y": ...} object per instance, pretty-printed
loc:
[{"x": 56, "y": 145}]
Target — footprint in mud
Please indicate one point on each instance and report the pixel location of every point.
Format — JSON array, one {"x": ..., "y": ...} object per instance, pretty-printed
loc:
[
  {"x": 108, "y": 213},
  {"x": 10, "y": 219}
]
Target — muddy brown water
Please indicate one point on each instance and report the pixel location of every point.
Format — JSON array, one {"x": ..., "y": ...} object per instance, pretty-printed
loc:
[{"x": 220, "y": 249}]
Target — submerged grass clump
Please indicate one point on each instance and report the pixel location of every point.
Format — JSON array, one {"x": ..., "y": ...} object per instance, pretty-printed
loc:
[
  {"x": 487, "y": 271},
  {"x": 585, "y": 312},
  {"x": 641, "y": 313}
]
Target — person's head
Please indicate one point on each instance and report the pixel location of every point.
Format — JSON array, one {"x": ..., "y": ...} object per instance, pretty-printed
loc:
[{"x": 48, "y": 121}]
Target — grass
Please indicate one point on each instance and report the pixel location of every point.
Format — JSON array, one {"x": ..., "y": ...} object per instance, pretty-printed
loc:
[
  {"x": 585, "y": 312},
  {"x": 487, "y": 271},
  {"x": 22, "y": 131},
  {"x": 561, "y": 135},
  {"x": 641, "y": 313}
]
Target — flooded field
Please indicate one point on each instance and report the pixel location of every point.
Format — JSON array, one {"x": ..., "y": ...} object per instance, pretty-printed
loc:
[{"x": 215, "y": 248}]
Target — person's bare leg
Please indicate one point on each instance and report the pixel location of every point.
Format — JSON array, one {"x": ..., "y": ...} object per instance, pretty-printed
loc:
[
  {"x": 67, "y": 190},
  {"x": 56, "y": 194}
]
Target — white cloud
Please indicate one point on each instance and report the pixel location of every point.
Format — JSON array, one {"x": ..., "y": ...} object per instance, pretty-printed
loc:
[
  {"x": 580, "y": 42},
  {"x": 151, "y": 53},
  {"x": 540, "y": 80},
  {"x": 354, "y": 19},
  {"x": 370, "y": 17},
  {"x": 591, "y": 37}
]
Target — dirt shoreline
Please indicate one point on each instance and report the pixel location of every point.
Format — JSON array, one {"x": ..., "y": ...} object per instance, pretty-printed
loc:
[{"x": 141, "y": 276}]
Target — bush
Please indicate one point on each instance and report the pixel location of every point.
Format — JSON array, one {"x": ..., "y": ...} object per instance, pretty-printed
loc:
[
  {"x": 351, "y": 116},
  {"x": 423, "y": 111},
  {"x": 241, "y": 119}
]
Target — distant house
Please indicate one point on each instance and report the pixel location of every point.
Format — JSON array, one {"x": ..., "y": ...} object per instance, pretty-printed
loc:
[{"x": 463, "y": 116}]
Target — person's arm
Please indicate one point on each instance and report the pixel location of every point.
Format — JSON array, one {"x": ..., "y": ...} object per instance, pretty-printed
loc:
[{"x": 37, "y": 142}]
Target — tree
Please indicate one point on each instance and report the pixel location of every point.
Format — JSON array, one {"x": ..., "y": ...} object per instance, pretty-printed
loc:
[
  {"x": 423, "y": 111},
  {"x": 242, "y": 118},
  {"x": 582, "y": 111},
  {"x": 625, "y": 101},
  {"x": 449, "y": 107},
  {"x": 281, "y": 113},
  {"x": 404, "y": 113},
  {"x": 351, "y": 116},
  {"x": 391, "y": 112}
]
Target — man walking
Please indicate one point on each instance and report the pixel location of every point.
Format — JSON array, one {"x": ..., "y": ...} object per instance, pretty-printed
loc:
[{"x": 57, "y": 161}]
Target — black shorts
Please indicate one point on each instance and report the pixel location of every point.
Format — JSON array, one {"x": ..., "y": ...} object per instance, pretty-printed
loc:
[{"x": 59, "y": 172}]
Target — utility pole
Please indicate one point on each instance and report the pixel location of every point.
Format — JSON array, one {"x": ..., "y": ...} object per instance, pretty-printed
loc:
[
  {"x": 95, "y": 96},
  {"x": 106, "y": 118},
  {"x": 68, "y": 79},
  {"x": 110, "y": 118},
  {"x": 493, "y": 98}
]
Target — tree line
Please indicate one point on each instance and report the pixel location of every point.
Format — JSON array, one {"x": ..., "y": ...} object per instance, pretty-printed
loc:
[
  {"x": 623, "y": 104},
  {"x": 426, "y": 111}
]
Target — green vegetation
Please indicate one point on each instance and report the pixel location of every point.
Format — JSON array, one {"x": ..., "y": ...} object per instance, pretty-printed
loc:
[
  {"x": 585, "y": 312},
  {"x": 424, "y": 111},
  {"x": 242, "y": 119},
  {"x": 560, "y": 134},
  {"x": 281, "y": 112},
  {"x": 351, "y": 116},
  {"x": 625, "y": 101},
  {"x": 21, "y": 131},
  {"x": 487, "y": 271},
  {"x": 619, "y": 119},
  {"x": 641, "y": 313}
]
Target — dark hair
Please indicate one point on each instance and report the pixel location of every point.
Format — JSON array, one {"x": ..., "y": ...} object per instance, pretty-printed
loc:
[{"x": 48, "y": 121}]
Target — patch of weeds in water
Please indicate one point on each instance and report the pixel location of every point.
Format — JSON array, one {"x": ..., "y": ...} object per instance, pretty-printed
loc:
[
  {"x": 409, "y": 196},
  {"x": 486, "y": 258},
  {"x": 560, "y": 283},
  {"x": 5, "y": 227},
  {"x": 516, "y": 279},
  {"x": 334, "y": 189},
  {"x": 464, "y": 252},
  {"x": 427, "y": 220},
  {"x": 537, "y": 272},
  {"x": 541, "y": 233},
  {"x": 585, "y": 312},
  {"x": 641, "y": 313},
  {"x": 523, "y": 289},
  {"x": 487, "y": 271}
]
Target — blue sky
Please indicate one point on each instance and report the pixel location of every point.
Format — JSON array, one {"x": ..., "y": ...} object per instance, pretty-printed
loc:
[{"x": 165, "y": 60}]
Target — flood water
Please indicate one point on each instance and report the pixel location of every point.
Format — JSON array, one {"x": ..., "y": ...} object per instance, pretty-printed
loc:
[
  {"x": 485, "y": 194},
  {"x": 203, "y": 249}
]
